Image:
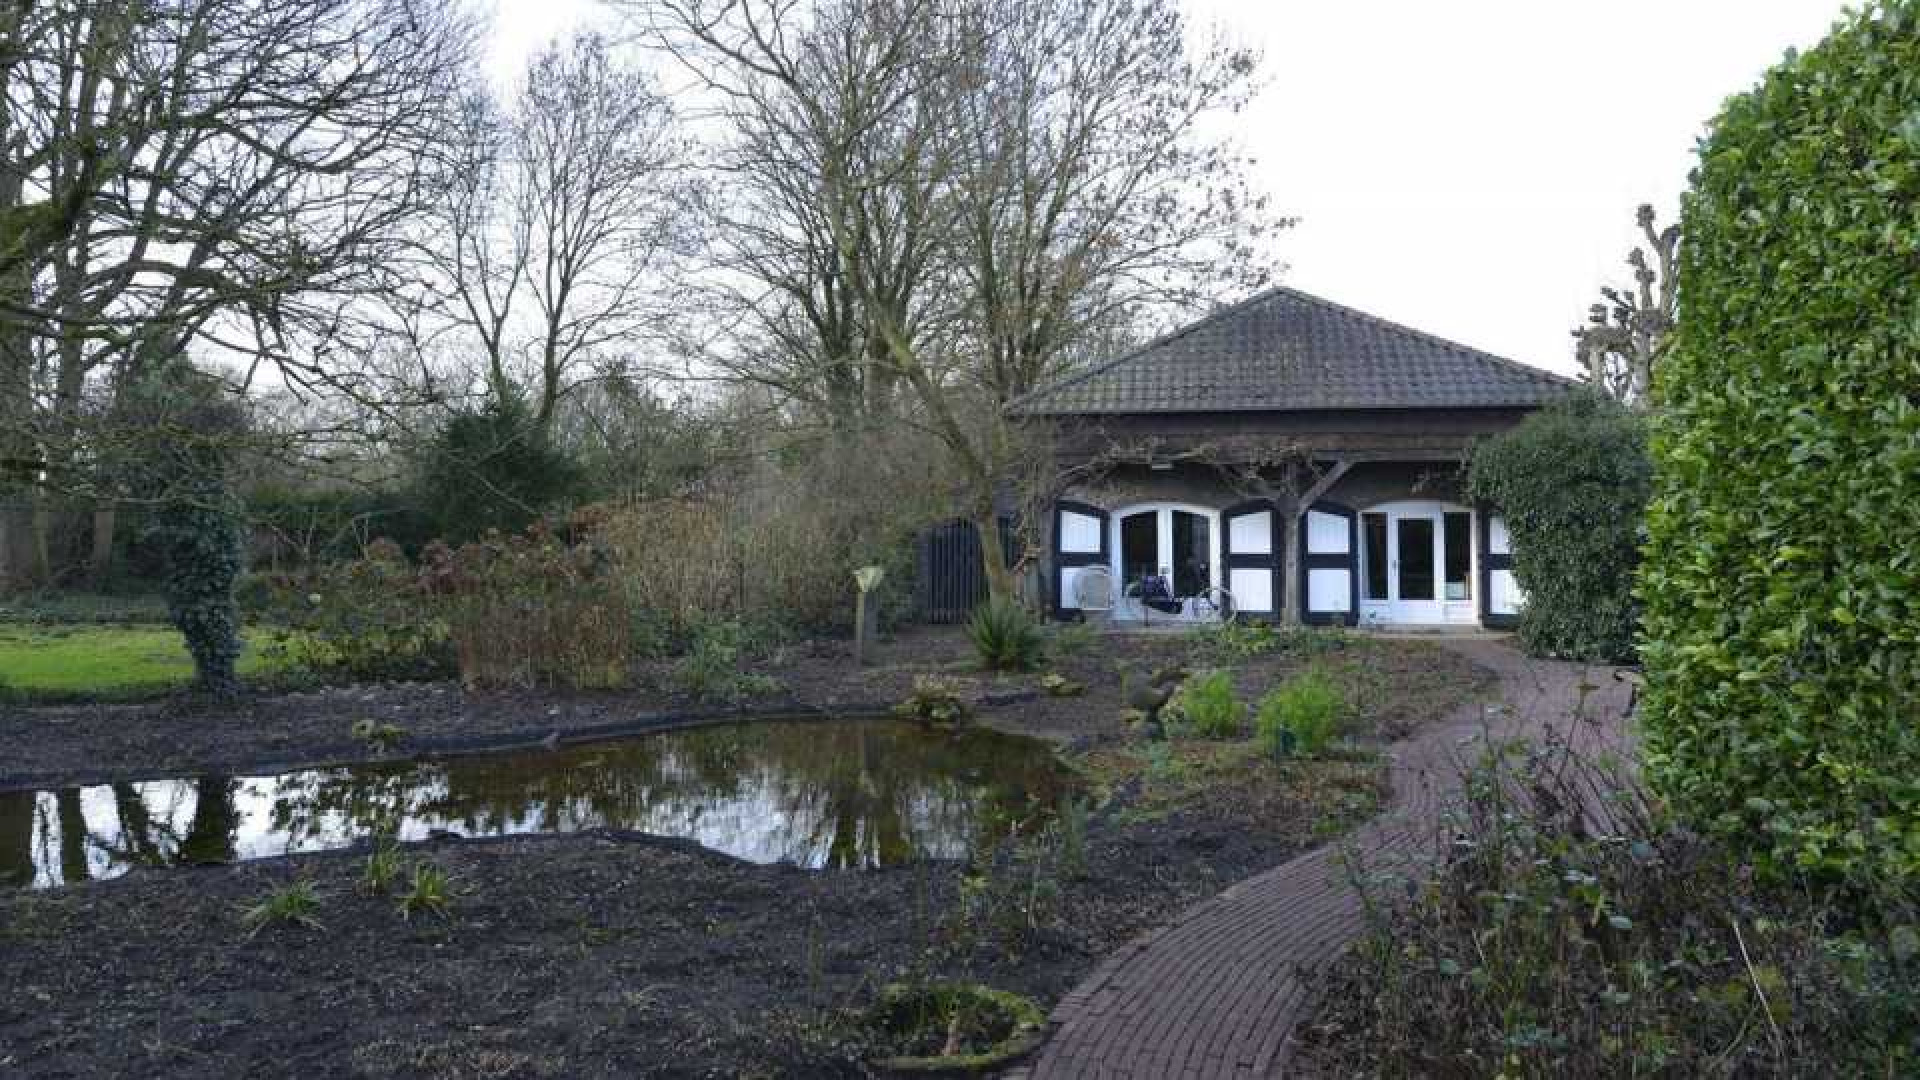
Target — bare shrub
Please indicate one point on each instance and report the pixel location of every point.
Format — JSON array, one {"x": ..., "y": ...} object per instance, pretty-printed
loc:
[
  {"x": 777, "y": 542},
  {"x": 530, "y": 610},
  {"x": 1566, "y": 926}
]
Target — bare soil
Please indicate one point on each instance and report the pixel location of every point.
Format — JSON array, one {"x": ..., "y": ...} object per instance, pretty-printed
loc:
[{"x": 618, "y": 955}]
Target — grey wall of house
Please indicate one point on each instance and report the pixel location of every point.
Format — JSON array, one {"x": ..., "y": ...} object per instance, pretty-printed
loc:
[
  {"x": 1366, "y": 484},
  {"x": 1371, "y": 483},
  {"x": 1129, "y": 484},
  {"x": 1429, "y": 433}
]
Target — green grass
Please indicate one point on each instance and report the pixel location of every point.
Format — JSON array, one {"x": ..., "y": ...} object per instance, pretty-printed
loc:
[{"x": 101, "y": 662}]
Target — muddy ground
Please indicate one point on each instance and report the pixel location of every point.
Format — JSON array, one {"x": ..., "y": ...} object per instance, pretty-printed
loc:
[
  {"x": 1398, "y": 683},
  {"x": 610, "y": 955}
]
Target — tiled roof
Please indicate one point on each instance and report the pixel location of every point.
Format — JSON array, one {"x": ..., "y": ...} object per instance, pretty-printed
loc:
[{"x": 1285, "y": 350}]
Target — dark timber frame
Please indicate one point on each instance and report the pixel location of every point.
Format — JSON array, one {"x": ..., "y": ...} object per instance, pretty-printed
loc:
[
  {"x": 1272, "y": 560},
  {"x": 1350, "y": 562},
  {"x": 1062, "y": 560}
]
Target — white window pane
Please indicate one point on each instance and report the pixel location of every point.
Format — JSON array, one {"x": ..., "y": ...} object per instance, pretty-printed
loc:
[
  {"x": 1251, "y": 534},
  {"x": 1252, "y": 588},
  {"x": 1329, "y": 589},
  {"x": 1079, "y": 533},
  {"x": 1327, "y": 534}
]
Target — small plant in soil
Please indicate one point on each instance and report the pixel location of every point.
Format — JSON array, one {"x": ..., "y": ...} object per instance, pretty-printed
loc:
[
  {"x": 383, "y": 868},
  {"x": 1072, "y": 639},
  {"x": 714, "y": 667},
  {"x": 1058, "y": 685},
  {"x": 935, "y": 700},
  {"x": 950, "y": 1025},
  {"x": 1070, "y": 826},
  {"x": 380, "y": 738},
  {"x": 295, "y": 905},
  {"x": 1301, "y": 715},
  {"x": 430, "y": 891},
  {"x": 1006, "y": 636},
  {"x": 1163, "y": 765},
  {"x": 1206, "y": 704}
]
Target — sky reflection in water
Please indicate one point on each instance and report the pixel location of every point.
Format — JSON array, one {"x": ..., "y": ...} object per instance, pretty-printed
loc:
[{"x": 826, "y": 793}]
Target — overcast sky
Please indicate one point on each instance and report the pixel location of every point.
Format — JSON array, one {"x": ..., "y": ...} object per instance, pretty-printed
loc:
[{"x": 1470, "y": 168}]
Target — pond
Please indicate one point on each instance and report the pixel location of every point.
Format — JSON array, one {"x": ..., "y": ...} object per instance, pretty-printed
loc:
[{"x": 830, "y": 793}]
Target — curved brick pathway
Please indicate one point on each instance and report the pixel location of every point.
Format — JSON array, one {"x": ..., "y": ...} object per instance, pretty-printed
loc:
[{"x": 1216, "y": 992}]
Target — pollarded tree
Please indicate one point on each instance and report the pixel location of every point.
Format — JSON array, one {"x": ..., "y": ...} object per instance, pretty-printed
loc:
[
  {"x": 1781, "y": 585},
  {"x": 1624, "y": 336}
]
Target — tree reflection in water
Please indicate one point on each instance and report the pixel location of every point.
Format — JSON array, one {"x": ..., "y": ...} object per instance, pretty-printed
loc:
[{"x": 817, "y": 794}]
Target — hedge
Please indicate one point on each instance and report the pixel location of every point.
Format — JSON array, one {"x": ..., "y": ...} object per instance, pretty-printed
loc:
[
  {"x": 1781, "y": 582},
  {"x": 1571, "y": 482}
]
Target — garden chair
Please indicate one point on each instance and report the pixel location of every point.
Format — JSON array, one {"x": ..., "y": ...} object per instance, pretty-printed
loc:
[{"x": 1093, "y": 590}]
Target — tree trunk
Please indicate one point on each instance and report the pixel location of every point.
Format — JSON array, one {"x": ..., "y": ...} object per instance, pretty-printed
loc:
[
  {"x": 993, "y": 556},
  {"x": 100, "y": 559},
  {"x": 42, "y": 542},
  {"x": 73, "y": 837},
  {"x": 16, "y": 837},
  {"x": 1290, "y": 593}
]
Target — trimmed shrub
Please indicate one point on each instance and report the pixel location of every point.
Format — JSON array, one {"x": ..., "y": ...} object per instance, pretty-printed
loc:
[
  {"x": 1781, "y": 583},
  {"x": 1572, "y": 483},
  {"x": 1006, "y": 636}
]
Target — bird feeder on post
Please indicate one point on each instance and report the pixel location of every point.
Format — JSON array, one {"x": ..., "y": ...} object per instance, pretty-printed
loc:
[{"x": 866, "y": 611}]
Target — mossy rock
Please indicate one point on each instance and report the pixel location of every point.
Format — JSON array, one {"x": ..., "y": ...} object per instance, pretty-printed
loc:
[{"x": 993, "y": 1028}]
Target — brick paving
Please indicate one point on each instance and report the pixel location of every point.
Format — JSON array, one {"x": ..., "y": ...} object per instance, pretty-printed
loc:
[{"x": 1217, "y": 991}]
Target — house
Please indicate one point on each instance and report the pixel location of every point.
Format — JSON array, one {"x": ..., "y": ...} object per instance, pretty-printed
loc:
[{"x": 1285, "y": 457}]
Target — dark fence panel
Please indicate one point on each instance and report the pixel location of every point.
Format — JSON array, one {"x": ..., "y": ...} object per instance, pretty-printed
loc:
[{"x": 951, "y": 583}]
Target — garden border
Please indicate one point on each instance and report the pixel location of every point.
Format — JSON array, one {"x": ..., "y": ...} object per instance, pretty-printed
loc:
[{"x": 547, "y": 736}]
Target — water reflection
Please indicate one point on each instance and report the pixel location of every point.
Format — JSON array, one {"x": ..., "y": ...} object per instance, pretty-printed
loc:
[{"x": 838, "y": 793}]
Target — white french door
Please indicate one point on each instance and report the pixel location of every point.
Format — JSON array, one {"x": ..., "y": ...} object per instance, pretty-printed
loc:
[
  {"x": 1417, "y": 563},
  {"x": 1180, "y": 545}
]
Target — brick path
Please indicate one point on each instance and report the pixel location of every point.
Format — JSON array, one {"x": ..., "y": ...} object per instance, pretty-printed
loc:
[{"x": 1216, "y": 992}]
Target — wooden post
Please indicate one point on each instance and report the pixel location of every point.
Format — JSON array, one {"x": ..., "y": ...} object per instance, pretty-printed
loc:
[
  {"x": 866, "y": 612},
  {"x": 1294, "y": 514}
]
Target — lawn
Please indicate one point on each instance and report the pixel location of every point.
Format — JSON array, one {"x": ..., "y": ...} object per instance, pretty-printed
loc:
[{"x": 100, "y": 662}]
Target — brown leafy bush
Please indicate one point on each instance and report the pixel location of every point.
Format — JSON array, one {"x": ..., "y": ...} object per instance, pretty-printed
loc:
[{"x": 530, "y": 610}]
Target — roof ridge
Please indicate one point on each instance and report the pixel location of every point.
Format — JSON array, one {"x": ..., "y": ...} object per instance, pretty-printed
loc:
[
  {"x": 1170, "y": 336},
  {"x": 1445, "y": 343}
]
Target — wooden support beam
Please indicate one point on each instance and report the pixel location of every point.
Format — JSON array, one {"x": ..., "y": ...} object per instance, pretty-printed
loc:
[{"x": 1322, "y": 486}]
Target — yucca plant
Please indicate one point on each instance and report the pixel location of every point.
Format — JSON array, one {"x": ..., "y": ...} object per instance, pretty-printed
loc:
[{"x": 1006, "y": 636}]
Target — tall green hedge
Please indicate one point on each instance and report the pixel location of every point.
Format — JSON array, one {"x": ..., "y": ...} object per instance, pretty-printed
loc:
[
  {"x": 1782, "y": 577},
  {"x": 1571, "y": 482}
]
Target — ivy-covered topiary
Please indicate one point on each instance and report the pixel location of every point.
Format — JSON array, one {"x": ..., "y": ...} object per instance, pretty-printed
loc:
[
  {"x": 1571, "y": 482},
  {"x": 181, "y": 456},
  {"x": 1782, "y": 576}
]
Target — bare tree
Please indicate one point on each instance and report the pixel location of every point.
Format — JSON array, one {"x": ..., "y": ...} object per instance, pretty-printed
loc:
[
  {"x": 989, "y": 184},
  {"x": 815, "y": 106},
  {"x": 553, "y": 248},
  {"x": 1625, "y": 335},
  {"x": 222, "y": 177}
]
